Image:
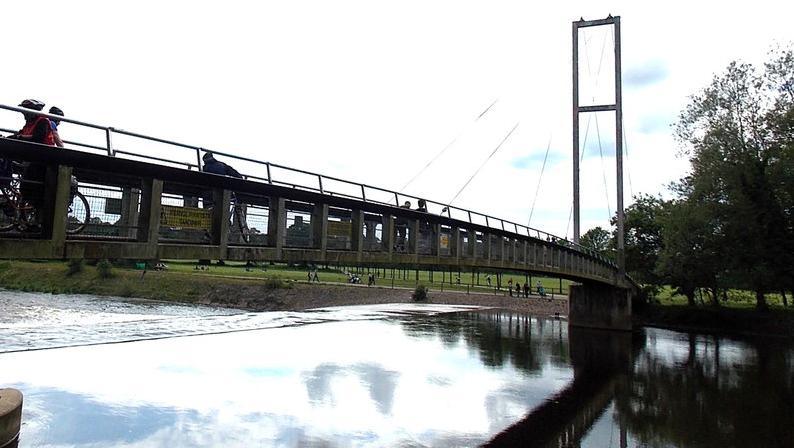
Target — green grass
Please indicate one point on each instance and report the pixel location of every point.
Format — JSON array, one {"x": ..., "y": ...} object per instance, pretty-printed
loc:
[
  {"x": 237, "y": 269},
  {"x": 57, "y": 278},
  {"x": 738, "y": 299}
]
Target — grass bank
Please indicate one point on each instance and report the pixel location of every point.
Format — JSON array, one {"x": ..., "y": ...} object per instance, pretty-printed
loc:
[{"x": 55, "y": 278}]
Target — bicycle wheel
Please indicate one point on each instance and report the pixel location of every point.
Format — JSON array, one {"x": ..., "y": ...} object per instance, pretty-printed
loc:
[
  {"x": 8, "y": 209},
  {"x": 79, "y": 214}
]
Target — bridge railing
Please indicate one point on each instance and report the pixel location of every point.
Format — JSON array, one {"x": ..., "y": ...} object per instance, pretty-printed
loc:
[{"x": 264, "y": 171}]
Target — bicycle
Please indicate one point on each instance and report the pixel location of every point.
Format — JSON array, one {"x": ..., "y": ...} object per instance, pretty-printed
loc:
[
  {"x": 239, "y": 220},
  {"x": 17, "y": 213}
]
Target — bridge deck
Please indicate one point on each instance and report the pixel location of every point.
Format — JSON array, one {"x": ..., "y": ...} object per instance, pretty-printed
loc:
[{"x": 148, "y": 211}]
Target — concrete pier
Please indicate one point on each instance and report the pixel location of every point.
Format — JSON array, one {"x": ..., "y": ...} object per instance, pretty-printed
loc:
[
  {"x": 596, "y": 305},
  {"x": 10, "y": 417}
]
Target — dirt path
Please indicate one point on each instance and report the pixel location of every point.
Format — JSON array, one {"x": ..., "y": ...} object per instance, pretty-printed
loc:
[{"x": 301, "y": 296}]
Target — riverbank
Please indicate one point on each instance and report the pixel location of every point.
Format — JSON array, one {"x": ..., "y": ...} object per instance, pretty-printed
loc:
[
  {"x": 254, "y": 294},
  {"x": 721, "y": 321}
]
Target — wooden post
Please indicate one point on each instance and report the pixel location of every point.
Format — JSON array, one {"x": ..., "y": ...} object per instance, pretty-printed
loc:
[
  {"x": 357, "y": 233},
  {"x": 413, "y": 241},
  {"x": 276, "y": 224},
  {"x": 320, "y": 229},
  {"x": 149, "y": 219},
  {"x": 387, "y": 235},
  {"x": 129, "y": 209},
  {"x": 454, "y": 244},
  {"x": 221, "y": 200},
  {"x": 57, "y": 183}
]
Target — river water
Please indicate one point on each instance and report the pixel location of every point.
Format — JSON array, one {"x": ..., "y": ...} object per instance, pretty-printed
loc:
[{"x": 97, "y": 372}]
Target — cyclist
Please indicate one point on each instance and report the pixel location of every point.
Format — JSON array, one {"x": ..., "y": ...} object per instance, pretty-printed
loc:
[
  {"x": 37, "y": 129},
  {"x": 56, "y": 137}
]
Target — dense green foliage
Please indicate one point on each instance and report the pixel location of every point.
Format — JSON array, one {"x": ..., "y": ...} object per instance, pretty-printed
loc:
[{"x": 731, "y": 223}]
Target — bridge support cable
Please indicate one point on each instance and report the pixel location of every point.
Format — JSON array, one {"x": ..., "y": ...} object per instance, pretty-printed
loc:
[
  {"x": 537, "y": 189},
  {"x": 628, "y": 168},
  {"x": 443, "y": 150},
  {"x": 603, "y": 169},
  {"x": 483, "y": 164}
]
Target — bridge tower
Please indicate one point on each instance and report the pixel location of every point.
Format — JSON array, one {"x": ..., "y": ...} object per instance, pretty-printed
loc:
[
  {"x": 617, "y": 107},
  {"x": 591, "y": 304}
]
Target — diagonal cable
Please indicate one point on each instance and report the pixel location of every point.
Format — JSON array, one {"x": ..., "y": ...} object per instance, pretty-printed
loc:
[
  {"x": 537, "y": 189},
  {"x": 483, "y": 164},
  {"x": 445, "y": 148}
]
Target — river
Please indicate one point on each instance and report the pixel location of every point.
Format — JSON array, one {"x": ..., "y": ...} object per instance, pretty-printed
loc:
[{"x": 98, "y": 372}]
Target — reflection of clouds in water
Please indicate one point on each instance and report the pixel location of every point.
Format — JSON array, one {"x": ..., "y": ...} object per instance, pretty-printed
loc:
[
  {"x": 316, "y": 385},
  {"x": 380, "y": 382},
  {"x": 439, "y": 380}
]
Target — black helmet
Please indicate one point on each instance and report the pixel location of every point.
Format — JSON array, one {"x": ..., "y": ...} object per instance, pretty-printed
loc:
[
  {"x": 56, "y": 111},
  {"x": 32, "y": 104}
]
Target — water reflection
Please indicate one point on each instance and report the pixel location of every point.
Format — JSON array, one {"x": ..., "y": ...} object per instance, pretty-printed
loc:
[
  {"x": 375, "y": 376},
  {"x": 403, "y": 381},
  {"x": 689, "y": 390}
]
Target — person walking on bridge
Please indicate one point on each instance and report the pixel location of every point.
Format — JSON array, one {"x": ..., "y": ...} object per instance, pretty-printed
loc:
[{"x": 214, "y": 166}]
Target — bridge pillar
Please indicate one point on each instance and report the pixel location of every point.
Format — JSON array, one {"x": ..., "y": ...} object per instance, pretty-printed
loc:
[
  {"x": 276, "y": 224},
  {"x": 454, "y": 244},
  {"x": 435, "y": 247},
  {"x": 471, "y": 245},
  {"x": 57, "y": 184},
  {"x": 357, "y": 233},
  {"x": 387, "y": 235},
  {"x": 595, "y": 305},
  {"x": 220, "y": 220},
  {"x": 413, "y": 240},
  {"x": 486, "y": 241},
  {"x": 149, "y": 219},
  {"x": 129, "y": 210},
  {"x": 320, "y": 229}
]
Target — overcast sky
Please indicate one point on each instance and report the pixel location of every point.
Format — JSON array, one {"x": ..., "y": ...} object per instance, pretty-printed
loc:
[{"x": 371, "y": 91}]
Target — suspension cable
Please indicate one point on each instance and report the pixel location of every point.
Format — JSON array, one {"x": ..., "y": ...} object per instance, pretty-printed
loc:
[
  {"x": 443, "y": 150},
  {"x": 483, "y": 164},
  {"x": 603, "y": 169},
  {"x": 537, "y": 189}
]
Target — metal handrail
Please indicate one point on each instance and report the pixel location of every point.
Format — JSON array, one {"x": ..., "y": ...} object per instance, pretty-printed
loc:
[{"x": 491, "y": 222}]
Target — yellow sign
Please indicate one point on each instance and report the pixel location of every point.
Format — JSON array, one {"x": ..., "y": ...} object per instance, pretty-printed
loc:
[
  {"x": 339, "y": 228},
  {"x": 444, "y": 241},
  {"x": 185, "y": 217}
]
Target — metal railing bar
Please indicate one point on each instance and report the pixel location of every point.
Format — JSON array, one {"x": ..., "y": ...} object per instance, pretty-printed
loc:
[
  {"x": 109, "y": 130},
  {"x": 159, "y": 159}
]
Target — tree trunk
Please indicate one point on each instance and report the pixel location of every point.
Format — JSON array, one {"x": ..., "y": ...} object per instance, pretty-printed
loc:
[
  {"x": 760, "y": 300},
  {"x": 715, "y": 297},
  {"x": 785, "y": 299}
]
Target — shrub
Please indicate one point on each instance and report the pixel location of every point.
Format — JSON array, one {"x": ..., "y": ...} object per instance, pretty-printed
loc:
[
  {"x": 420, "y": 293},
  {"x": 104, "y": 269},
  {"x": 275, "y": 283},
  {"x": 74, "y": 266}
]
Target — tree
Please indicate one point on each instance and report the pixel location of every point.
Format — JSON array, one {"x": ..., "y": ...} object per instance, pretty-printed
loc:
[
  {"x": 735, "y": 134},
  {"x": 599, "y": 240},
  {"x": 643, "y": 238}
]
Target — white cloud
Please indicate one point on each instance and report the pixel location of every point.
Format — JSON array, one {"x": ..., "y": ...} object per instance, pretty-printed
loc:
[{"x": 370, "y": 91}]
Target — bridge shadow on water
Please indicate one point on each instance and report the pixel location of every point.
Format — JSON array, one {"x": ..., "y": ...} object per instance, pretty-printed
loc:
[{"x": 646, "y": 388}]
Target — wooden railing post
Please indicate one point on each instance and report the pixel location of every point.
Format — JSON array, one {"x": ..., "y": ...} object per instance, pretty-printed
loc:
[
  {"x": 129, "y": 210},
  {"x": 57, "y": 183},
  {"x": 357, "y": 233},
  {"x": 221, "y": 200},
  {"x": 149, "y": 219},
  {"x": 276, "y": 224},
  {"x": 387, "y": 235},
  {"x": 320, "y": 229}
]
